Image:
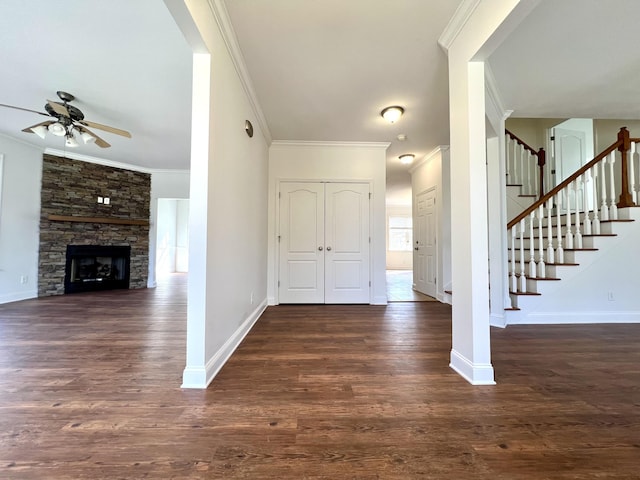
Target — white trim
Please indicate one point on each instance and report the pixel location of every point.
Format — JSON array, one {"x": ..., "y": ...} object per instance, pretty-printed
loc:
[
  {"x": 475, "y": 374},
  {"x": 497, "y": 320},
  {"x": 17, "y": 296},
  {"x": 314, "y": 143},
  {"x": 201, "y": 377},
  {"x": 219, "y": 10},
  {"x": 379, "y": 300},
  {"x": 21, "y": 141},
  {"x": 560, "y": 318},
  {"x": 456, "y": 24},
  {"x": 109, "y": 163},
  {"x": 427, "y": 157}
]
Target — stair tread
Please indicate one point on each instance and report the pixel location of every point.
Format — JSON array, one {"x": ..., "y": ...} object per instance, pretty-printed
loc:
[
  {"x": 512, "y": 309},
  {"x": 562, "y": 264},
  {"x": 580, "y": 249},
  {"x": 533, "y": 294}
]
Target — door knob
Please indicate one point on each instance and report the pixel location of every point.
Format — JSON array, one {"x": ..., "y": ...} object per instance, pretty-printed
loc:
[
  {"x": 328, "y": 248},
  {"x": 320, "y": 248}
]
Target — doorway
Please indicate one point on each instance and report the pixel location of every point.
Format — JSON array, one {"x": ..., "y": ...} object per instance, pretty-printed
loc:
[{"x": 172, "y": 236}]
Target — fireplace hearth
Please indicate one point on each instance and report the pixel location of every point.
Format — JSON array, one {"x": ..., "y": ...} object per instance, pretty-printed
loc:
[{"x": 96, "y": 267}]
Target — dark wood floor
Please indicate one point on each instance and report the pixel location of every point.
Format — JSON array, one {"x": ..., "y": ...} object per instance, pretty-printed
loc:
[{"x": 89, "y": 389}]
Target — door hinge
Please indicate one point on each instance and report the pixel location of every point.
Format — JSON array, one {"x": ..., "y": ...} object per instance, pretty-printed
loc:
[
  {"x": 279, "y": 194},
  {"x": 370, "y": 195},
  {"x": 553, "y": 137},
  {"x": 278, "y": 282},
  {"x": 278, "y": 238},
  {"x": 369, "y": 239},
  {"x": 369, "y": 282}
]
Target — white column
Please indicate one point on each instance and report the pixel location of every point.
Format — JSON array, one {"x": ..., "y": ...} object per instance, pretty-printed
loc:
[{"x": 471, "y": 352}]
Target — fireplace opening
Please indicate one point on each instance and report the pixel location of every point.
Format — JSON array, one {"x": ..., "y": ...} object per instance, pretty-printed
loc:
[{"x": 96, "y": 267}]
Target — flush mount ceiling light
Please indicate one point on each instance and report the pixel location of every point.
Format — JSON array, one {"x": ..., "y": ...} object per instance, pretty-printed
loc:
[
  {"x": 392, "y": 114},
  {"x": 407, "y": 158}
]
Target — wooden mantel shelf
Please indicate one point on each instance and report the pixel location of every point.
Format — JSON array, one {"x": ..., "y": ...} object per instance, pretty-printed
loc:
[{"x": 116, "y": 221}]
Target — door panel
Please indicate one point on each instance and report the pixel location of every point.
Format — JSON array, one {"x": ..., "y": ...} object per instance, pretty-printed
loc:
[
  {"x": 347, "y": 243},
  {"x": 324, "y": 243},
  {"x": 301, "y": 234},
  {"x": 425, "y": 262}
]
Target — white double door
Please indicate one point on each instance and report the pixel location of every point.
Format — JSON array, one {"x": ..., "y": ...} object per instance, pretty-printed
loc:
[{"x": 324, "y": 243}]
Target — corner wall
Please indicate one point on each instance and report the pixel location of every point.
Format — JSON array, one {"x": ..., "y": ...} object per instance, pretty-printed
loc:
[{"x": 19, "y": 219}]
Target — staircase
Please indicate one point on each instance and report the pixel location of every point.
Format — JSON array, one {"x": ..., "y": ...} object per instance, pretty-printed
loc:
[{"x": 568, "y": 253}]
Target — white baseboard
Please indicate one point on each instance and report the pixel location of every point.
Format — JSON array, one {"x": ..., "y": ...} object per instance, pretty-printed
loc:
[
  {"x": 497, "y": 320},
  {"x": 556, "y": 318},
  {"x": 475, "y": 374},
  {"x": 379, "y": 300},
  {"x": 17, "y": 296},
  {"x": 201, "y": 376}
]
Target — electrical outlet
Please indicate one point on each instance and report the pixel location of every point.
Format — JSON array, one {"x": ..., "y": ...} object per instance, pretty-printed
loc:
[
  {"x": 251, "y": 298},
  {"x": 24, "y": 279},
  {"x": 610, "y": 296}
]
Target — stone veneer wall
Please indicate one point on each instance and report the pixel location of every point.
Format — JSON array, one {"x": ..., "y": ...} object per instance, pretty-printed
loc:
[{"x": 71, "y": 188}]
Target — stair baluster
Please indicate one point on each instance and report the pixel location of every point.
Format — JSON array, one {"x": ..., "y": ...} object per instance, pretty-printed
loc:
[
  {"x": 613, "y": 210},
  {"x": 586, "y": 178},
  {"x": 632, "y": 175},
  {"x": 595, "y": 224},
  {"x": 577, "y": 238},
  {"x": 507, "y": 144},
  {"x": 541, "y": 266},
  {"x": 568, "y": 237},
  {"x": 559, "y": 249},
  {"x": 604, "y": 207},
  {"x": 532, "y": 241},
  {"x": 550, "y": 252},
  {"x": 522, "y": 283},
  {"x": 513, "y": 274}
]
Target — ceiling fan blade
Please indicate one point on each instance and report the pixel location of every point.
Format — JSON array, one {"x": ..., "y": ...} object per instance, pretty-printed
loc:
[
  {"x": 106, "y": 128},
  {"x": 25, "y": 109},
  {"x": 98, "y": 141},
  {"x": 58, "y": 108},
  {"x": 46, "y": 124}
]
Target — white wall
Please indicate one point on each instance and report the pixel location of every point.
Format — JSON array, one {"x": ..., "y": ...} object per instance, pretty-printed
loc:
[
  {"x": 433, "y": 172},
  {"x": 228, "y": 196},
  {"x": 398, "y": 260},
  {"x": 19, "y": 220},
  {"x": 307, "y": 161}
]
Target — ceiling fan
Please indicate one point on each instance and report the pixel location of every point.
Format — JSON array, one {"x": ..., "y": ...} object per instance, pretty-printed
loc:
[{"x": 66, "y": 121}]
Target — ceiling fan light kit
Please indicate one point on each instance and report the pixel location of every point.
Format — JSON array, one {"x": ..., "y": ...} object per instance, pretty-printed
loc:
[{"x": 66, "y": 121}]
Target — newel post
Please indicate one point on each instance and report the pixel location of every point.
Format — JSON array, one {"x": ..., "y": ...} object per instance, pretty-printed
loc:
[
  {"x": 541, "y": 162},
  {"x": 625, "y": 199}
]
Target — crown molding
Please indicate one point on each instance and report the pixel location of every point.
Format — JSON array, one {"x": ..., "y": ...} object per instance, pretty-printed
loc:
[
  {"x": 456, "y": 24},
  {"x": 21, "y": 142},
  {"x": 312, "y": 143},
  {"x": 428, "y": 157},
  {"x": 221, "y": 15},
  {"x": 109, "y": 163}
]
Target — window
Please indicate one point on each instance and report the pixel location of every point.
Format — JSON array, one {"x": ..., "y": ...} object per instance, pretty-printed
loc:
[{"x": 400, "y": 233}]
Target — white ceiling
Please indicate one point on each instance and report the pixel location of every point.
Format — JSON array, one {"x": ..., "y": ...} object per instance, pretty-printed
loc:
[
  {"x": 322, "y": 70},
  {"x": 572, "y": 58}
]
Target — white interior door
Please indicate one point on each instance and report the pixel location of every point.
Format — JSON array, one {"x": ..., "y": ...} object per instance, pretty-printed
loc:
[
  {"x": 425, "y": 260},
  {"x": 570, "y": 155},
  {"x": 301, "y": 271},
  {"x": 347, "y": 243},
  {"x": 324, "y": 243}
]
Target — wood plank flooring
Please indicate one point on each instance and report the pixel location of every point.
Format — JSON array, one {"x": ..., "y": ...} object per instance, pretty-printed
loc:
[{"x": 89, "y": 389}]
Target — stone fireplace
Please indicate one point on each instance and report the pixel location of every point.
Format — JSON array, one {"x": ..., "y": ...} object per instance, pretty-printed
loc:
[{"x": 71, "y": 215}]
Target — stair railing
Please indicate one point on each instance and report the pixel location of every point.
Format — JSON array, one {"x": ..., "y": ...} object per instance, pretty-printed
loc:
[
  {"x": 539, "y": 236},
  {"x": 524, "y": 166}
]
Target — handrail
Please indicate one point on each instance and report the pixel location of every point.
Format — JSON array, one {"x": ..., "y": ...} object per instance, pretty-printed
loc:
[
  {"x": 565, "y": 183},
  {"x": 521, "y": 142}
]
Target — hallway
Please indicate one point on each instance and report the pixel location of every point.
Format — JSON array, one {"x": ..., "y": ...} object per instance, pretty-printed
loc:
[{"x": 399, "y": 288}]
